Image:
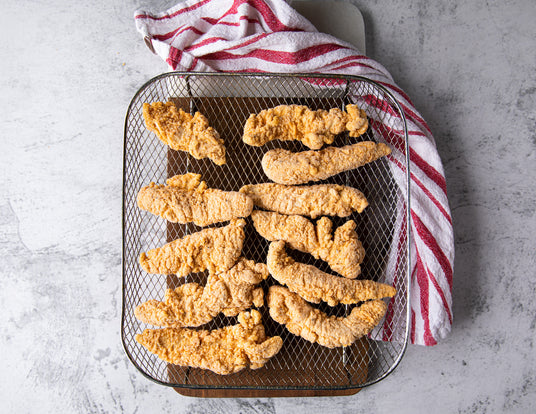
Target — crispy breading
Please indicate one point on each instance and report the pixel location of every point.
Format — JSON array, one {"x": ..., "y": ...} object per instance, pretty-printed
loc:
[
  {"x": 290, "y": 168},
  {"x": 311, "y": 201},
  {"x": 215, "y": 249},
  {"x": 342, "y": 250},
  {"x": 184, "y": 132},
  {"x": 230, "y": 292},
  {"x": 315, "y": 286},
  {"x": 185, "y": 199},
  {"x": 223, "y": 351},
  {"x": 298, "y": 122},
  {"x": 357, "y": 123},
  {"x": 300, "y": 318}
]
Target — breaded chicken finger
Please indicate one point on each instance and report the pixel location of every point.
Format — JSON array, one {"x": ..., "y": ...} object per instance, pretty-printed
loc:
[
  {"x": 342, "y": 250},
  {"x": 298, "y": 122},
  {"x": 315, "y": 286},
  {"x": 223, "y": 351},
  {"x": 215, "y": 249},
  {"x": 311, "y": 201},
  {"x": 184, "y": 132},
  {"x": 301, "y": 319},
  {"x": 290, "y": 168},
  {"x": 229, "y": 292},
  {"x": 185, "y": 199}
]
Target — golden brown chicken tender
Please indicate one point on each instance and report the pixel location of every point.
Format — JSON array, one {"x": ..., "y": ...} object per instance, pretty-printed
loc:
[
  {"x": 298, "y": 122},
  {"x": 290, "y": 168},
  {"x": 301, "y": 319},
  {"x": 185, "y": 198},
  {"x": 230, "y": 292},
  {"x": 184, "y": 132},
  {"x": 315, "y": 286},
  {"x": 215, "y": 249},
  {"x": 311, "y": 201},
  {"x": 223, "y": 351},
  {"x": 342, "y": 250}
]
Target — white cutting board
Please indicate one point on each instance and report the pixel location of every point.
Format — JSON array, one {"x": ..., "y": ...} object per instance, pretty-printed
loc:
[{"x": 335, "y": 17}]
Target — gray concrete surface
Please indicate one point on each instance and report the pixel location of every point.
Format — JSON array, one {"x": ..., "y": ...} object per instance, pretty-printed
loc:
[{"x": 69, "y": 71}]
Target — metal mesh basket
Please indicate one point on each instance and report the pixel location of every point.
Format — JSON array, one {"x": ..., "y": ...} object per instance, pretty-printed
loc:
[{"x": 227, "y": 100}]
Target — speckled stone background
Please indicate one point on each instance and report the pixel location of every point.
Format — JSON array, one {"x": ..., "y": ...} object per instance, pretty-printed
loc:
[{"x": 68, "y": 71}]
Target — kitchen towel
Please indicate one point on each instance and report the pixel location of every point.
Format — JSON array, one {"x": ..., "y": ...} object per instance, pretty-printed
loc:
[{"x": 270, "y": 36}]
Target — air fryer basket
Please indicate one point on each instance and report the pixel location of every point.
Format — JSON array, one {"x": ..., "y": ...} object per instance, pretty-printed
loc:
[{"x": 227, "y": 100}]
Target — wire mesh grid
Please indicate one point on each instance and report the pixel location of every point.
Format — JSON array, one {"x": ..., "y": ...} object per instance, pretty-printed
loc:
[{"x": 227, "y": 100}]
